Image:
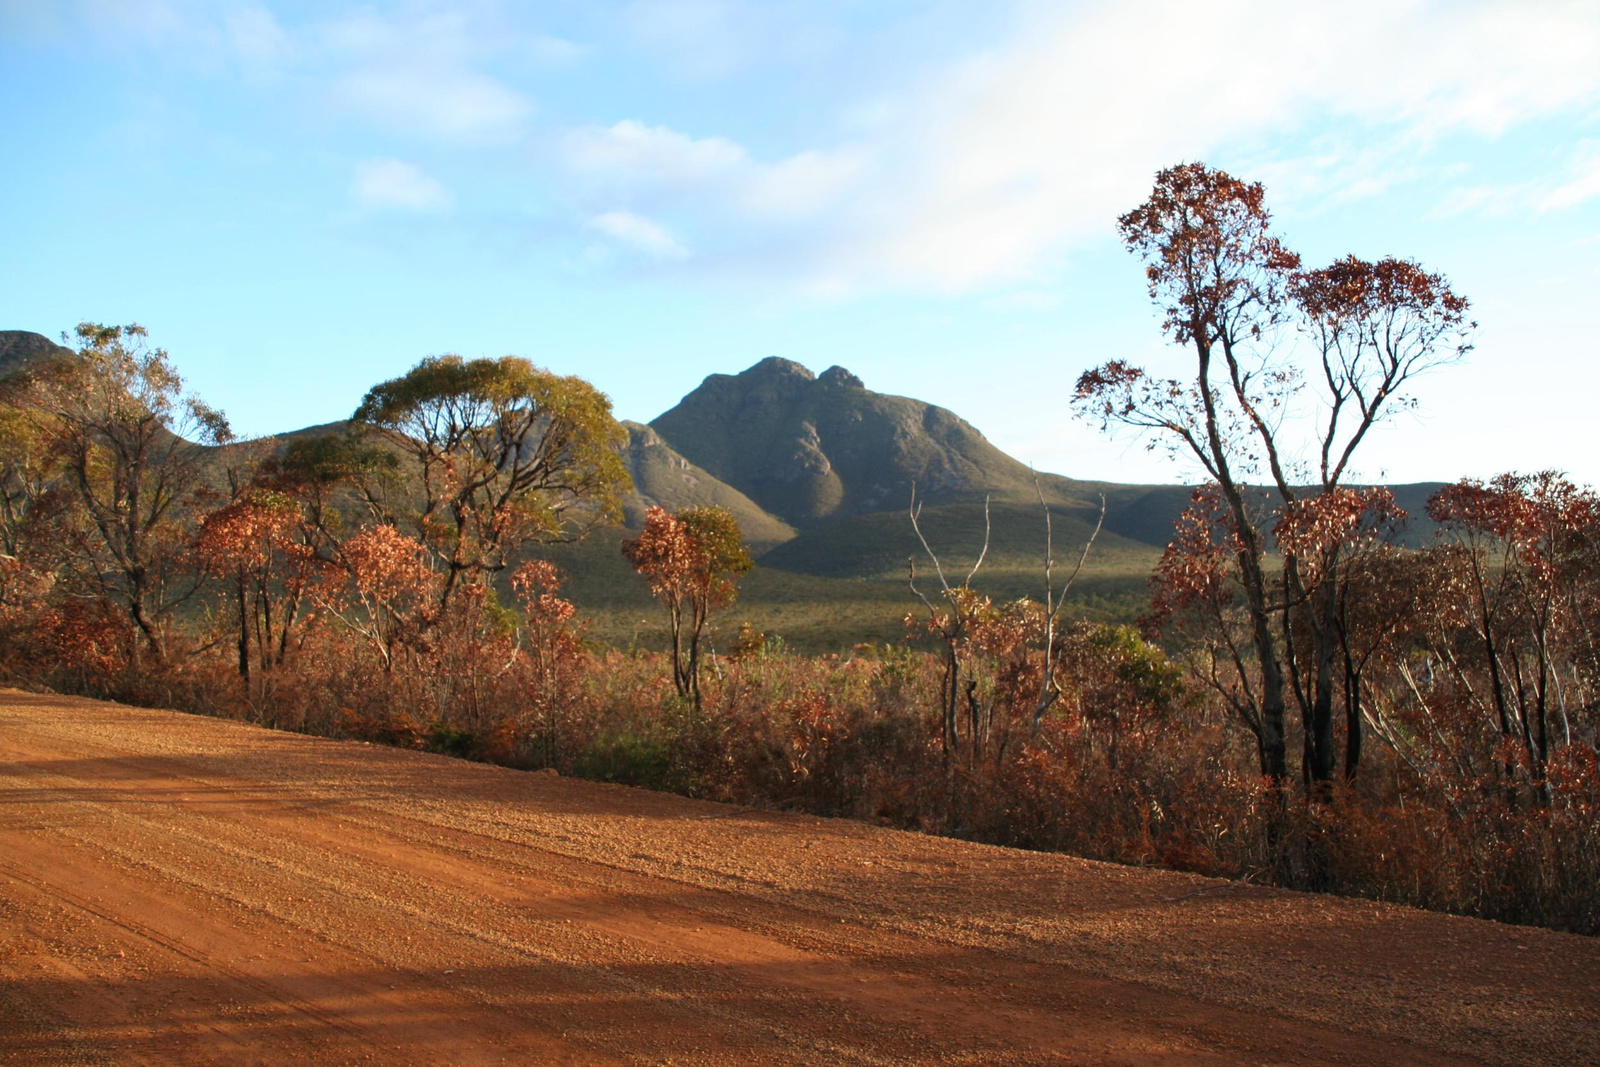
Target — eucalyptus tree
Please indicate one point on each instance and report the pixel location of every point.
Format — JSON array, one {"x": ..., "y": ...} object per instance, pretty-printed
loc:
[
  {"x": 495, "y": 453},
  {"x": 691, "y": 560},
  {"x": 132, "y": 445},
  {"x": 1284, "y": 358}
]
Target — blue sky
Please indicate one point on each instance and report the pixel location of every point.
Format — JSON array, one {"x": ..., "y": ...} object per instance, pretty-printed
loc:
[{"x": 302, "y": 199}]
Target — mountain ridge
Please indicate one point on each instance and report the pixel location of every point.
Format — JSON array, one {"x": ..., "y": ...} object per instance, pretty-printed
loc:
[{"x": 809, "y": 462}]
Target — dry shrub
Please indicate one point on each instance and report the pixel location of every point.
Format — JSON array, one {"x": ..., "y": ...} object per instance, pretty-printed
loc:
[{"x": 1129, "y": 765}]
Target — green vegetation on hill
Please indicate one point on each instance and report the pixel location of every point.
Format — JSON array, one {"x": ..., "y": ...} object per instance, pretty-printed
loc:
[
  {"x": 879, "y": 545},
  {"x": 854, "y": 596}
]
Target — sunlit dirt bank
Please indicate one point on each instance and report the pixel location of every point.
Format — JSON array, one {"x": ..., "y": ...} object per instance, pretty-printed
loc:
[{"x": 182, "y": 890}]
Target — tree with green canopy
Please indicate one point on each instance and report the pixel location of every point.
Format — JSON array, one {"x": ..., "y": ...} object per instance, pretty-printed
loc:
[
  {"x": 131, "y": 443},
  {"x": 504, "y": 453}
]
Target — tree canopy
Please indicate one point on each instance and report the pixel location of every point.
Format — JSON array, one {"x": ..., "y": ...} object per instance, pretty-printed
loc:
[{"x": 507, "y": 453}]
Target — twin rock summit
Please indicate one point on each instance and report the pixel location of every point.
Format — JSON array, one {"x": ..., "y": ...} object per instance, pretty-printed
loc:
[{"x": 789, "y": 452}]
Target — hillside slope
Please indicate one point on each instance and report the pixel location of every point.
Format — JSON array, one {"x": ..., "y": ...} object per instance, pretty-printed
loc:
[
  {"x": 662, "y": 477},
  {"x": 19, "y": 348}
]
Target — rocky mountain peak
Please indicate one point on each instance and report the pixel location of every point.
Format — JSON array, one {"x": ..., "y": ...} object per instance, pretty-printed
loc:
[
  {"x": 811, "y": 449},
  {"x": 776, "y": 368},
  {"x": 840, "y": 378}
]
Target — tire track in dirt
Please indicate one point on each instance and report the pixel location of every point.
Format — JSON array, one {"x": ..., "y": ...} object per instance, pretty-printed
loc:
[
  {"x": 272, "y": 895},
  {"x": 829, "y": 985}
]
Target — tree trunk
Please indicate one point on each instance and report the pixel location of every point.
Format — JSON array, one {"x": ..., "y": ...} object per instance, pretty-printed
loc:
[
  {"x": 244, "y": 634},
  {"x": 1352, "y": 719},
  {"x": 1274, "y": 755},
  {"x": 1323, "y": 761}
]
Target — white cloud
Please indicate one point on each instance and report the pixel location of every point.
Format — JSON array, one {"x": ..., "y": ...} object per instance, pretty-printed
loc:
[
  {"x": 395, "y": 184},
  {"x": 699, "y": 39},
  {"x": 632, "y": 153},
  {"x": 548, "y": 50},
  {"x": 804, "y": 183},
  {"x": 424, "y": 74},
  {"x": 256, "y": 38},
  {"x": 639, "y": 234},
  {"x": 205, "y": 35},
  {"x": 1026, "y": 300},
  {"x": 656, "y": 164},
  {"x": 1579, "y": 184},
  {"x": 984, "y": 174},
  {"x": 439, "y": 101}
]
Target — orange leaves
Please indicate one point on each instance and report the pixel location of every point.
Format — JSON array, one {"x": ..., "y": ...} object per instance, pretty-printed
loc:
[
  {"x": 1519, "y": 508},
  {"x": 536, "y": 583},
  {"x": 1210, "y": 255},
  {"x": 662, "y": 553},
  {"x": 389, "y": 594},
  {"x": 1353, "y": 289},
  {"x": 22, "y": 588},
  {"x": 1315, "y": 530},
  {"x": 1195, "y": 567},
  {"x": 690, "y": 560},
  {"x": 247, "y": 531},
  {"x": 386, "y": 565},
  {"x": 693, "y": 555}
]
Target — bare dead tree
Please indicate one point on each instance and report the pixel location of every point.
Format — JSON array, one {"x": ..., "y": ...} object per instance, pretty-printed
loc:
[
  {"x": 951, "y": 626},
  {"x": 1049, "y": 691}
]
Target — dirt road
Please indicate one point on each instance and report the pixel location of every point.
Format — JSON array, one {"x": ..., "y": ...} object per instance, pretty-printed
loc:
[{"x": 180, "y": 890}]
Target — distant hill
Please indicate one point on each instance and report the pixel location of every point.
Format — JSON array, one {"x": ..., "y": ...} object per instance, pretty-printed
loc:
[{"x": 19, "y": 348}]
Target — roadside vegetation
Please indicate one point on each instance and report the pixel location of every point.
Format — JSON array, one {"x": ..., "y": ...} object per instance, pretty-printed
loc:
[{"x": 1306, "y": 699}]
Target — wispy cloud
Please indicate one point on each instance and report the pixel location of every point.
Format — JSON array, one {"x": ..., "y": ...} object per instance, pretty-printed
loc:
[
  {"x": 657, "y": 164},
  {"x": 423, "y": 70},
  {"x": 394, "y": 184},
  {"x": 974, "y": 166},
  {"x": 1579, "y": 184},
  {"x": 632, "y": 154},
  {"x": 984, "y": 173},
  {"x": 1575, "y": 183},
  {"x": 709, "y": 40},
  {"x": 440, "y": 102},
  {"x": 423, "y": 75},
  {"x": 639, "y": 234}
]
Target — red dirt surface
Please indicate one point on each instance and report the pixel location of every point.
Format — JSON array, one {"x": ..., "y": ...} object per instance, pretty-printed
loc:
[{"x": 183, "y": 890}]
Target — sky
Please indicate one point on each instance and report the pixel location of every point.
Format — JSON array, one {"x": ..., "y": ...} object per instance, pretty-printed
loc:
[{"x": 300, "y": 200}]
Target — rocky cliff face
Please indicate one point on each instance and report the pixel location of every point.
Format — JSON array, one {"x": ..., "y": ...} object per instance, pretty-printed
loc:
[{"x": 810, "y": 448}]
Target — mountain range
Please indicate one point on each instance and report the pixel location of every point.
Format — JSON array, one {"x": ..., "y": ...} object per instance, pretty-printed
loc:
[{"x": 819, "y": 471}]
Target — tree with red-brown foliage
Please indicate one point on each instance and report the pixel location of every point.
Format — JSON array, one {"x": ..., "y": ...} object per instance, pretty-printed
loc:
[
  {"x": 1529, "y": 573},
  {"x": 690, "y": 560},
  {"x": 553, "y": 647},
  {"x": 385, "y": 592},
  {"x": 1232, "y": 292},
  {"x": 257, "y": 546}
]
